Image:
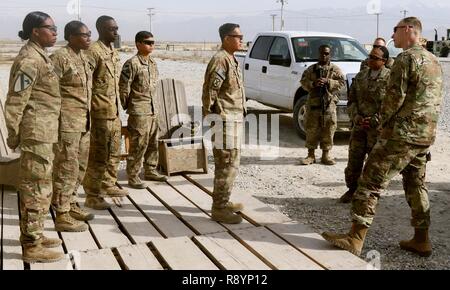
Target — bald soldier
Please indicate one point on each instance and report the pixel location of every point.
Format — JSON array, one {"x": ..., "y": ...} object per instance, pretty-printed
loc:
[
  {"x": 137, "y": 91},
  {"x": 409, "y": 117},
  {"x": 104, "y": 155},
  {"x": 223, "y": 97}
]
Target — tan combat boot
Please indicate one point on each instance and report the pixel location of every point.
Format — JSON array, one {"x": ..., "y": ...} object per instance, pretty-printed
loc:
[
  {"x": 136, "y": 183},
  {"x": 326, "y": 158},
  {"x": 155, "y": 176},
  {"x": 352, "y": 242},
  {"x": 225, "y": 215},
  {"x": 66, "y": 223},
  {"x": 235, "y": 207},
  {"x": 50, "y": 243},
  {"x": 310, "y": 159},
  {"x": 40, "y": 254},
  {"x": 95, "y": 202},
  {"x": 115, "y": 191},
  {"x": 419, "y": 244},
  {"x": 80, "y": 214},
  {"x": 348, "y": 196}
]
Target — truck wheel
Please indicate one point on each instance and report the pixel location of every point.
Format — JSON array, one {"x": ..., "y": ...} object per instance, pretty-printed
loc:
[{"x": 299, "y": 116}]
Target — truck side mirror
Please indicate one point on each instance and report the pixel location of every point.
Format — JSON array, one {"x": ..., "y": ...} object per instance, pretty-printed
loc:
[{"x": 279, "y": 60}]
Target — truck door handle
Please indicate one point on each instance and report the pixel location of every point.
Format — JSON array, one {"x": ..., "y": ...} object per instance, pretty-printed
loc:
[
  {"x": 264, "y": 69},
  {"x": 247, "y": 66}
]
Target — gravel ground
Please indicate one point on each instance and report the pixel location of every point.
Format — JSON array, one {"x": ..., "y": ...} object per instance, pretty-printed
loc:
[{"x": 309, "y": 194}]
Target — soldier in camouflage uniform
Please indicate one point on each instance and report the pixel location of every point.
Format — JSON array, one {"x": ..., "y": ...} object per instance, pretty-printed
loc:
[
  {"x": 104, "y": 155},
  {"x": 137, "y": 90},
  {"x": 379, "y": 42},
  {"x": 72, "y": 150},
  {"x": 32, "y": 110},
  {"x": 409, "y": 117},
  {"x": 223, "y": 98},
  {"x": 323, "y": 81},
  {"x": 364, "y": 103}
]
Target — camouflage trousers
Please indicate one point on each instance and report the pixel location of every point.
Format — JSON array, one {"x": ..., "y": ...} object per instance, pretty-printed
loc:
[
  {"x": 35, "y": 189},
  {"x": 104, "y": 156},
  {"x": 320, "y": 128},
  {"x": 143, "y": 144},
  {"x": 361, "y": 143},
  {"x": 385, "y": 161},
  {"x": 71, "y": 159},
  {"x": 226, "y": 169}
]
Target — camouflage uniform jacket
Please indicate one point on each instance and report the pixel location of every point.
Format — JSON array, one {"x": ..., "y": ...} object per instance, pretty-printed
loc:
[
  {"x": 76, "y": 88},
  {"x": 33, "y": 103},
  {"x": 223, "y": 89},
  {"x": 336, "y": 83},
  {"x": 410, "y": 110},
  {"x": 138, "y": 85},
  {"x": 105, "y": 85},
  {"x": 366, "y": 95}
]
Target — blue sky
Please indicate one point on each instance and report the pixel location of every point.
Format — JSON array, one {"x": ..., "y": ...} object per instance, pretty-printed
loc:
[{"x": 197, "y": 20}]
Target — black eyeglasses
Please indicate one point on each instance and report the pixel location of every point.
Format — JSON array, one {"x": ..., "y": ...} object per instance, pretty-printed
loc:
[
  {"x": 374, "y": 57},
  {"x": 241, "y": 37},
  {"x": 148, "y": 42},
  {"x": 401, "y": 26},
  {"x": 52, "y": 28}
]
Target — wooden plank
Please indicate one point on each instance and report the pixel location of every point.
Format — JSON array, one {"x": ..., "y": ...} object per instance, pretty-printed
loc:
[
  {"x": 139, "y": 257},
  {"x": 4, "y": 149},
  {"x": 160, "y": 108},
  {"x": 96, "y": 260},
  {"x": 105, "y": 228},
  {"x": 182, "y": 254},
  {"x": 201, "y": 199},
  {"x": 161, "y": 217},
  {"x": 12, "y": 249},
  {"x": 135, "y": 224},
  {"x": 229, "y": 253},
  {"x": 64, "y": 264},
  {"x": 313, "y": 245},
  {"x": 182, "y": 106},
  {"x": 275, "y": 251},
  {"x": 170, "y": 104},
  {"x": 254, "y": 210},
  {"x": 192, "y": 215}
]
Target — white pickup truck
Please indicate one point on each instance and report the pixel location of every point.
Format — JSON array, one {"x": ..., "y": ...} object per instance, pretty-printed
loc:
[{"x": 275, "y": 62}]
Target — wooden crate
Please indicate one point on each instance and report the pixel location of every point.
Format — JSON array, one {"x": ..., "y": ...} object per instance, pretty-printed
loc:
[
  {"x": 183, "y": 155},
  {"x": 9, "y": 160}
]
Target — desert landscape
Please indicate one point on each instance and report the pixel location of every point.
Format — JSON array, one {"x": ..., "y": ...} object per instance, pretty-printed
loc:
[{"x": 310, "y": 194}]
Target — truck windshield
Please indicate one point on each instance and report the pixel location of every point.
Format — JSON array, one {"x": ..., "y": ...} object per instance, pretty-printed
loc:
[{"x": 342, "y": 49}]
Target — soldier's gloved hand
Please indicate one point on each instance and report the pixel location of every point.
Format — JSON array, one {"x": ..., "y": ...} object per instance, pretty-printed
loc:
[
  {"x": 13, "y": 142},
  {"x": 317, "y": 83},
  {"x": 366, "y": 123}
]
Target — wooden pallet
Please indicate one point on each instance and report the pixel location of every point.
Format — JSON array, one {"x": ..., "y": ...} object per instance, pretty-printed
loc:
[{"x": 168, "y": 226}]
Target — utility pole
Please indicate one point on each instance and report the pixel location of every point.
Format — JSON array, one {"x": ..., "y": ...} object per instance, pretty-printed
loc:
[
  {"x": 273, "y": 21},
  {"x": 404, "y": 13},
  {"x": 150, "y": 14},
  {"x": 378, "y": 24},
  {"x": 283, "y": 2},
  {"x": 79, "y": 10}
]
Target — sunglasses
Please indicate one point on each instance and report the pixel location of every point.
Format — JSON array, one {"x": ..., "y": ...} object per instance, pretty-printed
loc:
[
  {"x": 401, "y": 26},
  {"x": 241, "y": 37},
  {"x": 89, "y": 34},
  {"x": 52, "y": 28},
  {"x": 148, "y": 42},
  {"x": 325, "y": 53},
  {"x": 374, "y": 57}
]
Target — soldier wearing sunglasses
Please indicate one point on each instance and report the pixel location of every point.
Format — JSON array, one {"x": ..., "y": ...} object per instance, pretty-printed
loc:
[
  {"x": 137, "y": 84},
  {"x": 379, "y": 42}
]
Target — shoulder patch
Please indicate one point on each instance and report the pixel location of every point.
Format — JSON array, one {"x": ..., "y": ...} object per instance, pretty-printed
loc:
[
  {"x": 23, "y": 82},
  {"x": 126, "y": 70},
  {"x": 221, "y": 73}
]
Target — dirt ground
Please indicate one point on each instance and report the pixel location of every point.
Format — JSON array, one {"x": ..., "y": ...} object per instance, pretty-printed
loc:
[{"x": 309, "y": 194}]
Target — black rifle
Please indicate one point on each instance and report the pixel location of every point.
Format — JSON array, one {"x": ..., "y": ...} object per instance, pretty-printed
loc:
[{"x": 324, "y": 103}]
